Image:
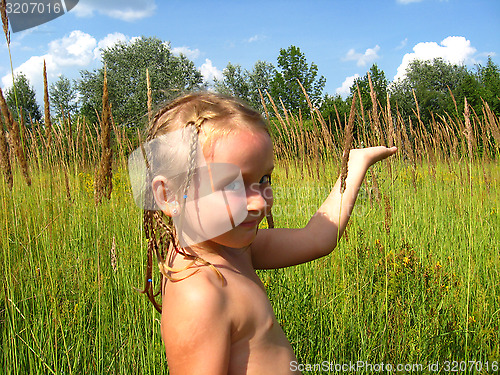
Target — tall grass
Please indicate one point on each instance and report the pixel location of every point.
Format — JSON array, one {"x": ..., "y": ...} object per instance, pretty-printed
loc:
[
  {"x": 414, "y": 290},
  {"x": 415, "y": 278}
]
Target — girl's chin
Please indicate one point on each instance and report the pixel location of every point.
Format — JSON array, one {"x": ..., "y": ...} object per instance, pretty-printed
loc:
[{"x": 236, "y": 240}]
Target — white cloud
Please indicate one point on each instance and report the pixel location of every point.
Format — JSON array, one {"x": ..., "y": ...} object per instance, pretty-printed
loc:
[
  {"x": 453, "y": 49},
  {"x": 255, "y": 38},
  {"x": 363, "y": 59},
  {"x": 109, "y": 41},
  {"x": 126, "y": 10},
  {"x": 186, "y": 51},
  {"x": 209, "y": 72},
  {"x": 75, "y": 50},
  {"x": 402, "y": 44},
  {"x": 344, "y": 90},
  {"x": 32, "y": 69}
]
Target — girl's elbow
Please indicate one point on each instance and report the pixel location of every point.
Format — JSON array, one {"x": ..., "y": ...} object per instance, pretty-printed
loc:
[{"x": 324, "y": 247}]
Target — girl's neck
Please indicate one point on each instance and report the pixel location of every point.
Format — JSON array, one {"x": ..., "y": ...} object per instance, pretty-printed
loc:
[{"x": 210, "y": 249}]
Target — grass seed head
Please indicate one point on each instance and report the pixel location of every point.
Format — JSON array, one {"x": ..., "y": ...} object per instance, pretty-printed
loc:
[
  {"x": 468, "y": 128},
  {"x": 104, "y": 174},
  {"x": 5, "y": 20},
  {"x": 5, "y": 157},
  {"x": 48, "y": 123},
  {"x": 348, "y": 139}
]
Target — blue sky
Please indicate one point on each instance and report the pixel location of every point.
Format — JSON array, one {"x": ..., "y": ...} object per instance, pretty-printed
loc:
[{"x": 342, "y": 37}]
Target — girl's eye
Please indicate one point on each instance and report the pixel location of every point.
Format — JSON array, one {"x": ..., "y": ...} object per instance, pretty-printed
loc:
[
  {"x": 265, "y": 179},
  {"x": 235, "y": 185}
]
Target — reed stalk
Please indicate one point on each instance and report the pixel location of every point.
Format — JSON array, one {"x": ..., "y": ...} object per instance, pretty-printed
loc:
[
  {"x": 103, "y": 180},
  {"x": 375, "y": 117},
  {"x": 66, "y": 182},
  {"x": 47, "y": 121},
  {"x": 5, "y": 157},
  {"x": 5, "y": 24},
  {"x": 15, "y": 136},
  {"x": 469, "y": 133},
  {"x": 392, "y": 134},
  {"x": 5, "y": 20},
  {"x": 113, "y": 257},
  {"x": 493, "y": 124},
  {"x": 348, "y": 140},
  {"x": 69, "y": 137},
  {"x": 362, "y": 109},
  {"x": 283, "y": 123}
]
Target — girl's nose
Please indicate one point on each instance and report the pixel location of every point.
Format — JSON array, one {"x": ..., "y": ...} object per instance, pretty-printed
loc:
[{"x": 255, "y": 200}]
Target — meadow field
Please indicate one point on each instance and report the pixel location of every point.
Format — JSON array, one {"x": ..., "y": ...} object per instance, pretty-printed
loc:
[{"x": 414, "y": 280}]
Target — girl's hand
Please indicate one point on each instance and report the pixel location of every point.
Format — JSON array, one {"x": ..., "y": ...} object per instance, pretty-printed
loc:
[{"x": 369, "y": 156}]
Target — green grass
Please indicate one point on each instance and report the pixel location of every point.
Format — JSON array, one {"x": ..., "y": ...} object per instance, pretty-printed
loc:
[
  {"x": 396, "y": 288},
  {"x": 417, "y": 285}
]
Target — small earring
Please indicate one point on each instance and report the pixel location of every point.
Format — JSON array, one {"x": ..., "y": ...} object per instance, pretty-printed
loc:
[{"x": 174, "y": 207}]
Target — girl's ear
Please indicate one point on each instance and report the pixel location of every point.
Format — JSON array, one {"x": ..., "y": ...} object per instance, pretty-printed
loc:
[{"x": 164, "y": 197}]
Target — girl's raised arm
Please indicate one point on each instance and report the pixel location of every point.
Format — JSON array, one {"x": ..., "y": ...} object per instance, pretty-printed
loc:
[{"x": 276, "y": 248}]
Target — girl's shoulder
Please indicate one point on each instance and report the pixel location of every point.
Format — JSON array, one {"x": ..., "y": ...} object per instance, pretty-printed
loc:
[
  {"x": 197, "y": 287},
  {"x": 195, "y": 322}
]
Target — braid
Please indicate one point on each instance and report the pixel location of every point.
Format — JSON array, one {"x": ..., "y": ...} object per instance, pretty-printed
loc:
[
  {"x": 192, "y": 157},
  {"x": 152, "y": 248},
  {"x": 193, "y": 147}
]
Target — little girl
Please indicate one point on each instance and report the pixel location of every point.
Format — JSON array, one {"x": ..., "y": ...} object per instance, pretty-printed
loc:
[{"x": 204, "y": 180}]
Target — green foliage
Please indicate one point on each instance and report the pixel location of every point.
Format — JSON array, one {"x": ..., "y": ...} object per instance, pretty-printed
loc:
[
  {"x": 281, "y": 82},
  {"x": 431, "y": 81},
  {"x": 26, "y": 100},
  {"x": 126, "y": 65},
  {"x": 247, "y": 85},
  {"x": 334, "y": 108},
  {"x": 233, "y": 82},
  {"x": 441, "y": 87},
  {"x": 379, "y": 82},
  {"x": 489, "y": 78},
  {"x": 63, "y": 97},
  {"x": 292, "y": 69},
  {"x": 260, "y": 81}
]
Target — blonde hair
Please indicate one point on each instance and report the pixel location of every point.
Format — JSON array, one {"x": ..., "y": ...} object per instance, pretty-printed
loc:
[{"x": 218, "y": 115}]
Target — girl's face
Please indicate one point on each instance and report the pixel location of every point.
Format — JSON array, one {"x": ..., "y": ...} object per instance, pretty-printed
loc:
[{"x": 251, "y": 153}]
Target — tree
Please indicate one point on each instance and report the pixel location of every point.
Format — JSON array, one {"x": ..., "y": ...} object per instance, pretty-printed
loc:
[
  {"x": 489, "y": 78},
  {"x": 432, "y": 82},
  {"x": 292, "y": 69},
  {"x": 379, "y": 83},
  {"x": 334, "y": 110},
  {"x": 471, "y": 89},
  {"x": 233, "y": 82},
  {"x": 63, "y": 95},
  {"x": 126, "y": 65},
  {"x": 260, "y": 79},
  {"x": 26, "y": 100},
  {"x": 247, "y": 85}
]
